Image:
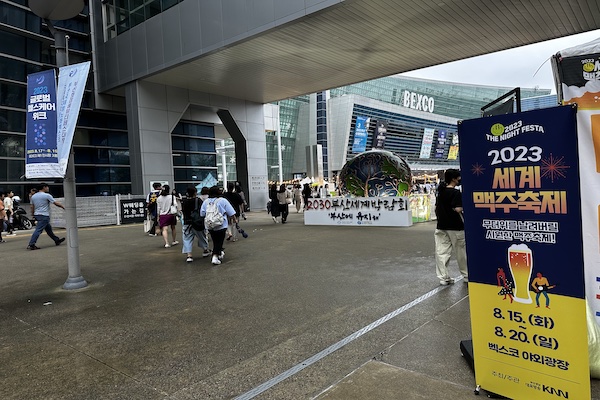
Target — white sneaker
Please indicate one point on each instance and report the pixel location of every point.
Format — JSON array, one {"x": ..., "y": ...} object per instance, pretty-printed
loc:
[
  {"x": 215, "y": 260},
  {"x": 175, "y": 243},
  {"x": 222, "y": 255},
  {"x": 167, "y": 246},
  {"x": 445, "y": 282},
  {"x": 189, "y": 259},
  {"x": 206, "y": 253}
]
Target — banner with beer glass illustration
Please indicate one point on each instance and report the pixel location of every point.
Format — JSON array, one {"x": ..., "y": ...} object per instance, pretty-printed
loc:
[
  {"x": 577, "y": 74},
  {"x": 520, "y": 180}
]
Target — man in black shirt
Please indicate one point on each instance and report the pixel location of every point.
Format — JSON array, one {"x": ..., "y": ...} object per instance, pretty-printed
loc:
[{"x": 450, "y": 232}]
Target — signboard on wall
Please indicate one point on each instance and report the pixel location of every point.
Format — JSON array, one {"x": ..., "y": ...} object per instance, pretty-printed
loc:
[
  {"x": 380, "y": 134},
  {"x": 258, "y": 183},
  {"x": 358, "y": 211},
  {"x": 453, "y": 152},
  {"x": 524, "y": 248},
  {"x": 427, "y": 143},
  {"x": 440, "y": 147},
  {"x": 132, "y": 210},
  {"x": 360, "y": 134}
]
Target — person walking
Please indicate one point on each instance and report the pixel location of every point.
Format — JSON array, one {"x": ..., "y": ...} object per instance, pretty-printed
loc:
[
  {"x": 306, "y": 194},
  {"x": 284, "y": 198},
  {"x": 2, "y": 217},
  {"x": 217, "y": 232},
  {"x": 168, "y": 209},
  {"x": 9, "y": 210},
  {"x": 237, "y": 203},
  {"x": 450, "y": 230},
  {"x": 151, "y": 207},
  {"x": 240, "y": 191},
  {"x": 297, "y": 197},
  {"x": 190, "y": 229},
  {"x": 274, "y": 202},
  {"x": 40, "y": 203}
]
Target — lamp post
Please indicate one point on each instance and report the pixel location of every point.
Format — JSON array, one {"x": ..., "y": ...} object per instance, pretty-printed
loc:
[{"x": 61, "y": 10}]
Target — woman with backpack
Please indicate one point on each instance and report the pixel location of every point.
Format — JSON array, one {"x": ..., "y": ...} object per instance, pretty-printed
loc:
[
  {"x": 168, "y": 208},
  {"x": 215, "y": 211},
  {"x": 284, "y": 198},
  {"x": 193, "y": 225}
]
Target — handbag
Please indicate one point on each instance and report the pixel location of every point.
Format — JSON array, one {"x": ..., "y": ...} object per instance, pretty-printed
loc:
[
  {"x": 173, "y": 209},
  {"x": 147, "y": 225}
]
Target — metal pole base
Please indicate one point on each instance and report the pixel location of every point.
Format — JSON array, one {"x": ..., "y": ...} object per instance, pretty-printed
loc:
[{"x": 75, "y": 283}]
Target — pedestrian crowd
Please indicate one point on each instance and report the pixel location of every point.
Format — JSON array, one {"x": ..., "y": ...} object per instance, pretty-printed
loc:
[{"x": 212, "y": 214}]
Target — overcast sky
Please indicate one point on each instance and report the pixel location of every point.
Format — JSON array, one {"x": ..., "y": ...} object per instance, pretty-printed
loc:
[{"x": 493, "y": 69}]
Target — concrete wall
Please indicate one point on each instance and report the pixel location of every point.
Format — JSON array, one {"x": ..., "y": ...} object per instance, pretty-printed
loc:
[
  {"x": 185, "y": 32},
  {"x": 153, "y": 110}
]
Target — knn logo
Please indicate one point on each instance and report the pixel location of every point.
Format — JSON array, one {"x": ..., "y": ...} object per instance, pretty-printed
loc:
[{"x": 497, "y": 129}]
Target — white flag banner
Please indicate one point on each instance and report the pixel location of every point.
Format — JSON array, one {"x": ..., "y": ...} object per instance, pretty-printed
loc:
[
  {"x": 71, "y": 84},
  {"x": 427, "y": 142}
]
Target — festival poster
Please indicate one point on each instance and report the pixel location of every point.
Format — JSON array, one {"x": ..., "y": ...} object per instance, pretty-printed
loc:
[
  {"x": 427, "y": 143},
  {"x": 577, "y": 72},
  {"x": 520, "y": 180},
  {"x": 360, "y": 134},
  {"x": 453, "y": 152},
  {"x": 441, "y": 145},
  {"x": 41, "y": 156}
]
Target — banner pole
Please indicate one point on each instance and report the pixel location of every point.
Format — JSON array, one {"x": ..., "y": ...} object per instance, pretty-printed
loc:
[{"x": 74, "y": 280}]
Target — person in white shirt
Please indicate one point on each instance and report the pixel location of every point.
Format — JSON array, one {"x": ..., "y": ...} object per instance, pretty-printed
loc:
[
  {"x": 166, "y": 218},
  {"x": 8, "y": 209}
]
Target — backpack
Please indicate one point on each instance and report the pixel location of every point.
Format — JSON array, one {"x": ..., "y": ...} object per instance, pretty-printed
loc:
[
  {"x": 213, "y": 217},
  {"x": 196, "y": 221}
]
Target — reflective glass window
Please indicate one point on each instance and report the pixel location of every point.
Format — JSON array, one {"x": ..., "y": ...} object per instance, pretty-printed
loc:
[
  {"x": 12, "y": 95},
  {"x": 12, "y": 146}
]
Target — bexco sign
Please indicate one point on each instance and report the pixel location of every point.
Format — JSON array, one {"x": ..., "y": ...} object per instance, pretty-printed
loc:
[{"x": 418, "y": 101}]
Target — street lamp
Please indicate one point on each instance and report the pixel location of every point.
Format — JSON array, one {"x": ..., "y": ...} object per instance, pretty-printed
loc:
[{"x": 57, "y": 10}]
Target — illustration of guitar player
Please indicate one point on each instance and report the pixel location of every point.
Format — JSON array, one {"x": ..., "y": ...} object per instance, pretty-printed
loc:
[{"x": 540, "y": 285}]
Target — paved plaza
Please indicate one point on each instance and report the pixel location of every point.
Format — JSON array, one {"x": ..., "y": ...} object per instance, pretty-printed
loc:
[{"x": 294, "y": 312}]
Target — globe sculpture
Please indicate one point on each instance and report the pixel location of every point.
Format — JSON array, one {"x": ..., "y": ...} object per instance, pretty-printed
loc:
[{"x": 375, "y": 173}]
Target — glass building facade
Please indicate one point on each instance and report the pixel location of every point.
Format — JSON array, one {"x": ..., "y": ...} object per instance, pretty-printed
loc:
[
  {"x": 100, "y": 143},
  {"x": 405, "y": 132},
  {"x": 457, "y": 100},
  {"x": 122, "y": 15}
]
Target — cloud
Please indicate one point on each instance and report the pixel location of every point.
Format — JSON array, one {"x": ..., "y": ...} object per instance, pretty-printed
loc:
[{"x": 526, "y": 66}]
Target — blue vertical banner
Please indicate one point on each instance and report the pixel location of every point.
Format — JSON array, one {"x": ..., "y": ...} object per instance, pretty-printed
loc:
[
  {"x": 440, "y": 148},
  {"x": 360, "y": 134},
  {"x": 520, "y": 179},
  {"x": 71, "y": 85},
  {"x": 41, "y": 156}
]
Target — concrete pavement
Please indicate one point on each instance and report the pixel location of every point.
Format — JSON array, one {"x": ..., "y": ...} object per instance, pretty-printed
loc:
[{"x": 294, "y": 312}]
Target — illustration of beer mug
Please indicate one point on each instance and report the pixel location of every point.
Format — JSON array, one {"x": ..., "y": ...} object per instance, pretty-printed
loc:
[{"x": 520, "y": 261}]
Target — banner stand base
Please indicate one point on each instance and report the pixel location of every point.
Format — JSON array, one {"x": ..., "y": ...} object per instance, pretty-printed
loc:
[{"x": 466, "y": 349}]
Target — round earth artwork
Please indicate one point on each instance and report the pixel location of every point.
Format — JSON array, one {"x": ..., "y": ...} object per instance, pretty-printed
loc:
[{"x": 375, "y": 173}]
